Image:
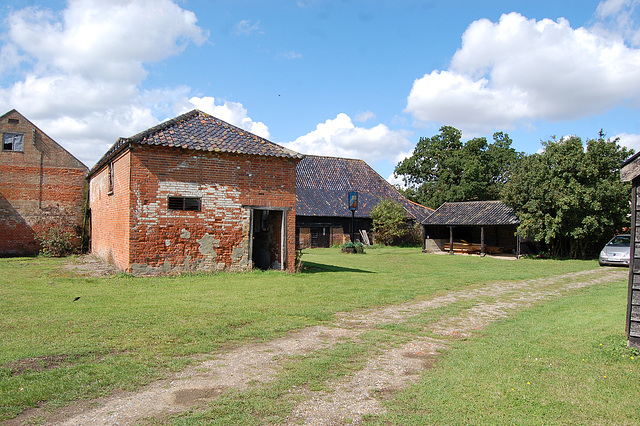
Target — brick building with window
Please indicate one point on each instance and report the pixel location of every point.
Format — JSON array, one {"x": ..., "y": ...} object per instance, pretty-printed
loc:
[
  {"x": 194, "y": 193},
  {"x": 42, "y": 186}
]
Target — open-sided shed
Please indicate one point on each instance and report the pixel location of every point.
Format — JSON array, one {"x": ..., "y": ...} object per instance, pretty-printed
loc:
[{"x": 472, "y": 227}]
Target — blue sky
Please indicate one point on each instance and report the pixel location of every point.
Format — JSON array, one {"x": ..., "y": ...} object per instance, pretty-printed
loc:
[{"x": 360, "y": 79}]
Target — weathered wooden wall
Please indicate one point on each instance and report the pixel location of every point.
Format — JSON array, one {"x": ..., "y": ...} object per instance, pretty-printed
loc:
[
  {"x": 630, "y": 171},
  {"x": 633, "y": 302}
]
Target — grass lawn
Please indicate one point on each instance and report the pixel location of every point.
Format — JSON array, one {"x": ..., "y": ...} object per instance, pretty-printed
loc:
[
  {"x": 124, "y": 332},
  {"x": 561, "y": 362}
]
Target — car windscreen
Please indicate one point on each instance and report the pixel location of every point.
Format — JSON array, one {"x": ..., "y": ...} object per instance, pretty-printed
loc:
[{"x": 620, "y": 241}]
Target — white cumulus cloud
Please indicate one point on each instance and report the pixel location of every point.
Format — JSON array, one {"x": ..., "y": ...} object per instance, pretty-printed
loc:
[
  {"x": 617, "y": 19},
  {"x": 81, "y": 69},
  {"x": 364, "y": 116},
  {"x": 339, "y": 137},
  {"x": 520, "y": 70},
  {"x": 629, "y": 140},
  {"x": 231, "y": 112}
]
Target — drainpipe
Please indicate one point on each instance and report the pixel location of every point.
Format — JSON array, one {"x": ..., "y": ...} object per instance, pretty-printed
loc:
[{"x": 41, "y": 183}]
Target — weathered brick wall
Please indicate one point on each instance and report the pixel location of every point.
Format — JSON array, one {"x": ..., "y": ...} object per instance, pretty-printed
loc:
[
  {"x": 217, "y": 236},
  {"x": 41, "y": 186},
  {"x": 110, "y": 218},
  {"x": 304, "y": 238},
  {"x": 338, "y": 236}
]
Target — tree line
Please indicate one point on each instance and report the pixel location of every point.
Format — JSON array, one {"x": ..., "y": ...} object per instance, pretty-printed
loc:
[{"x": 568, "y": 195}]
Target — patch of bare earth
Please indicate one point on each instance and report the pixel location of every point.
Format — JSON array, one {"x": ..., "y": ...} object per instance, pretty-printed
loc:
[
  {"x": 89, "y": 265},
  {"x": 349, "y": 399}
]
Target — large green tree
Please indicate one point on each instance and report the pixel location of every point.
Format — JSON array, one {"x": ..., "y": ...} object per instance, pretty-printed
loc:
[
  {"x": 390, "y": 224},
  {"x": 443, "y": 168},
  {"x": 569, "y": 197}
]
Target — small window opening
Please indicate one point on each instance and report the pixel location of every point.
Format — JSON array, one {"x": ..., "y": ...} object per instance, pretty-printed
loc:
[
  {"x": 14, "y": 121},
  {"x": 184, "y": 203},
  {"x": 12, "y": 141},
  {"x": 111, "y": 174}
]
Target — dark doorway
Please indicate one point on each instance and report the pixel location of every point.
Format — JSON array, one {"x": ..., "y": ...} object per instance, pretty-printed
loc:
[
  {"x": 320, "y": 237},
  {"x": 267, "y": 226}
]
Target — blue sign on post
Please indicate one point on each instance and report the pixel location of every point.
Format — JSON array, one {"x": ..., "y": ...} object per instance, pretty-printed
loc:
[
  {"x": 353, "y": 200},
  {"x": 353, "y": 206}
]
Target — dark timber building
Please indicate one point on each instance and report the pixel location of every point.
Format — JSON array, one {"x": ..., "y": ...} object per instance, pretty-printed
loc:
[
  {"x": 472, "y": 227},
  {"x": 322, "y": 215}
]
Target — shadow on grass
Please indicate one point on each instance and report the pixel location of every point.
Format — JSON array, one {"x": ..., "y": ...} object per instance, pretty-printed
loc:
[{"x": 312, "y": 268}]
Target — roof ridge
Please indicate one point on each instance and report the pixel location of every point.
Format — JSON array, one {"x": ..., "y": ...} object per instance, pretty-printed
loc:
[
  {"x": 334, "y": 157},
  {"x": 418, "y": 204},
  {"x": 200, "y": 131},
  {"x": 162, "y": 126},
  {"x": 472, "y": 201}
]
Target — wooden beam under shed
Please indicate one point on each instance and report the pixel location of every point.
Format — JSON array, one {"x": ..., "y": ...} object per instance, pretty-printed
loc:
[{"x": 451, "y": 240}]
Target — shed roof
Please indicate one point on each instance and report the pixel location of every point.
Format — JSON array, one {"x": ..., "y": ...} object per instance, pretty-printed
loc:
[
  {"x": 322, "y": 184},
  {"x": 478, "y": 213},
  {"x": 199, "y": 131}
]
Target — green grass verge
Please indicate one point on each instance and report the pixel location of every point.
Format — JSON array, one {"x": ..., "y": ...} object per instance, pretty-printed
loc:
[
  {"x": 560, "y": 362},
  {"x": 123, "y": 332}
]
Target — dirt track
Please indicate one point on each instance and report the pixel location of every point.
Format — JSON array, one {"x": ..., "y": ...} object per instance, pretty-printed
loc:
[{"x": 351, "y": 398}]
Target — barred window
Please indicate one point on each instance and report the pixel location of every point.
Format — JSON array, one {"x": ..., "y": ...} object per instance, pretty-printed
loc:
[
  {"x": 12, "y": 141},
  {"x": 184, "y": 203}
]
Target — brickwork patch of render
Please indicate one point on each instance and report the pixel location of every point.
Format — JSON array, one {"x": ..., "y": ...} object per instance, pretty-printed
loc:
[{"x": 217, "y": 237}]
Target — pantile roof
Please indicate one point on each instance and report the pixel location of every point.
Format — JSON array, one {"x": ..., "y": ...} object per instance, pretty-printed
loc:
[
  {"x": 477, "y": 213},
  {"x": 199, "y": 131},
  {"x": 322, "y": 185}
]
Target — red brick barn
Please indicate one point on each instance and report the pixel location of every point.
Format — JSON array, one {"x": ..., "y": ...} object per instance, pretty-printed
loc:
[
  {"x": 41, "y": 185},
  {"x": 194, "y": 193}
]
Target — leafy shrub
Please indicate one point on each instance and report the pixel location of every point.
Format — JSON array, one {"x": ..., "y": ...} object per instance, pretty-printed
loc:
[
  {"x": 56, "y": 242},
  {"x": 391, "y": 226},
  {"x": 350, "y": 246}
]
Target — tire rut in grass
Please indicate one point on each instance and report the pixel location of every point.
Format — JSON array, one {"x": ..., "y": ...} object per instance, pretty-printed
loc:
[
  {"x": 351, "y": 398},
  {"x": 361, "y": 395}
]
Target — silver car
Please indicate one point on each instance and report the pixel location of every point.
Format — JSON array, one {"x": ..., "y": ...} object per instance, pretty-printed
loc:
[{"x": 616, "y": 252}]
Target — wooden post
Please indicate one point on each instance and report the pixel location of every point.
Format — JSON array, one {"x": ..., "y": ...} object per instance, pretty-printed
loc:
[
  {"x": 353, "y": 231},
  {"x": 451, "y": 240},
  {"x": 424, "y": 238},
  {"x": 482, "y": 241}
]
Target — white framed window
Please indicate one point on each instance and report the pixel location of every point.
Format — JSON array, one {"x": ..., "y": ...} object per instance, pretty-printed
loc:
[{"x": 12, "y": 141}]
